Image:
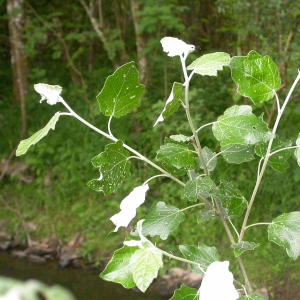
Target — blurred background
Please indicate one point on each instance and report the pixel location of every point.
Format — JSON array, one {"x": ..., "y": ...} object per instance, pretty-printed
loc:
[{"x": 77, "y": 44}]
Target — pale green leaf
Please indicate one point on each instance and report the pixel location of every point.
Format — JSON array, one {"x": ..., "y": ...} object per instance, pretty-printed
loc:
[
  {"x": 185, "y": 293},
  {"x": 145, "y": 264},
  {"x": 177, "y": 155},
  {"x": 25, "y": 144},
  {"x": 210, "y": 64},
  {"x": 237, "y": 154},
  {"x": 243, "y": 246},
  {"x": 206, "y": 214},
  {"x": 252, "y": 297},
  {"x": 181, "y": 138},
  {"x": 202, "y": 255},
  {"x": 239, "y": 125},
  {"x": 195, "y": 187},
  {"x": 209, "y": 159},
  {"x": 114, "y": 168},
  {"x": 257, "y": 76},
  {"x": 277, "y": 161},
  {"x": 285, "y": 231},
  {"x": 230, "y": 198},
  {"x": 297, "y": 151},
  {"x": 119, "y": 267},
  {"x": 172, "y": 103},
  {"x": 121, "y": 92},
  {"x": 161, "y": 220}
]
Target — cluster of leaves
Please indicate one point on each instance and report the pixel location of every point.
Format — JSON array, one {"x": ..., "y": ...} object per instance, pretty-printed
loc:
[{"x": 241, "y": 135}]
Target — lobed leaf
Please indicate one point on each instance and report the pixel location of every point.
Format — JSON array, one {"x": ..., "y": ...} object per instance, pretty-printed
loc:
[
  {"x": 284, "y": 231},
  {"x": 25, "y": 144},
  {"x": 257, "y": 76},
  {"x": 195, "y": 187},
  {"x": 237, "y": 154},
  {"x": 202, "y": 255},
  {"x": 209, "y": 159},
  {"x": 240, "y": 126},
  {"x": 162, "y": 220},
  {"x": 121, "y": 92},
  {"x": 210, "y": 64},
  {"x": 185, "y": 293},
  {"x": 241, "y": 247},
  {"x": 114, "y": 168}
]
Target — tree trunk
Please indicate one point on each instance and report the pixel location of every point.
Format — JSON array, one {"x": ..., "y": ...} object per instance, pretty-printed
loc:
[
  {"x": 141, "y": 44},
  {"x": 15, "y": 11}
]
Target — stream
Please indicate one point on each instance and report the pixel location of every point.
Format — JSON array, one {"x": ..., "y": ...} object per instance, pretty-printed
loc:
[{"x": 85, "y": 285}]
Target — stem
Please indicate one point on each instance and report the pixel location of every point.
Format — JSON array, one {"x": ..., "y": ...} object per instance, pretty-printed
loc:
[
  {"x": 263, "y": 168},
  {"x": 256, "y": 224},
  {"x": 205, "y": 125},
  {"x": 111, "y": 137},
  {"x": 283, "y": 149},
  {"x": 192, "y": 206}
]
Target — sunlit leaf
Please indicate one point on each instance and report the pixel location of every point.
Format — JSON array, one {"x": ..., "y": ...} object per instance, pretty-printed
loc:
[
  {"x": 239, "y": 125},
  {"x": 161, "y": 220},
  {"x": 285, "y": 231},
  {"x": 277, "y": 161},
  {"x": 119, "y": 267},
  {"x": 181, "y": 138},
  {"x": 202, "y": 255},
  {"x": 231, "y": 199},
  {"x": 177, "y": 155},
  {"x": 114, "y": 168},
  {"x": 209, "y": 159},
  {"x": 195, "y": 187},
  {"x": 25, "y": 144},
  {"x": 145, "y": 264},
  {"x": 210, "y": 64},
  {"x": 297, "y": 151},
  {"x": 257, "y": 76},
  {"x": 237, "y": 154},
  {"x": 176, "y": 47},
  {"x": 172, "y": 103},
  {"x": 243, "y": 246},
  {"x": 185, "y": 293},
  {"x": 121, "y": 92}
]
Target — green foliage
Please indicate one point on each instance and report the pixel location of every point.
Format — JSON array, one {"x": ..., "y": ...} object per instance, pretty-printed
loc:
[{"x": 185, "y": 293}]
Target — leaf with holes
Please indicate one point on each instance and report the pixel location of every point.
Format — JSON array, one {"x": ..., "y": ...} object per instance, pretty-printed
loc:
[
  {"x": 241, "y": 247},
  {"x": 257, "y": 76},
  {"x": 118, "y": 268},
  {"x": 114, "y": 168},
  {"x": 121, "y": 92},
  {"x": 202, "y": 255},
  {"x": 162, "y": 220},
  {"x": 195, "y": 187},
  {"x": 173, "y": 102},
  {"x": 237, "y": 154},
  {"x": 284, "y": 231},
  {"x": 210, "y": 64},
  {"x": 230, "y": 198},
  {"x": 277, "y": 161},
  {"x": 239, "y": 125},
  {"x": 209, "y": 159},
  {"x": 145, "y": 264},
  {"x": 25, "y": 144},
  {"x": 177, "y": 155},
  {"x": 185, "y": 293}
]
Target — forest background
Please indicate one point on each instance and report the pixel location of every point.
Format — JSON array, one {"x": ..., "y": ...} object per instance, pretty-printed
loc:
[{"x": 77, "y": 44}]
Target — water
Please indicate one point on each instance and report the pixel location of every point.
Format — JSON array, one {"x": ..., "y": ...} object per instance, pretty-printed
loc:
[{"x": 84, "y": 285}]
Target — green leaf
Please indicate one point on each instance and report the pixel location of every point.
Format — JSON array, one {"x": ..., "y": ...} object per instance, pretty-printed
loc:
[
  {"x": 257, "y": 76},
  {"x": 185, "y": 293},
  {"x": 177, "y": 155},
  {"x": 210, "y": 64},
  {"x": 121, "y": 92},
  {"x": 203, "y": 255},
  {"x": 206, "y": 214},
  {"x": 208, "y": 157},
  {"x": 197, "y": 186},
  {"x": 237, "y": 154},
  {"x": 25, "y": 144},
  {"x": 145, "y": 264},
  {"x": 284, "y": 231},
  {"x": 231, "y": 198},
  {"x": 172, "y": 103},
  {"x": 297, "y": 151},
  {"x": 241, "y": 247},
  {"x": 162, "y": 220},
  {"x": 119, "y": 267},
  {"x": 239, "y": 125},
  {"x": 252, "y": 297},
  {"x": 277, "y": 161},
  {"x": 181, "y": 138},
  {"x": 114, "y": 168}
]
